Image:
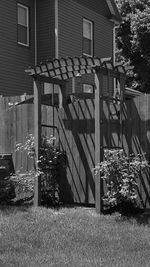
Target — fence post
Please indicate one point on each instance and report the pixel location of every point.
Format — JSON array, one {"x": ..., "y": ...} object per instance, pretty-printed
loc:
[
  {"x": 37, "y": 139},
  {"x": 98, "y": 140}
]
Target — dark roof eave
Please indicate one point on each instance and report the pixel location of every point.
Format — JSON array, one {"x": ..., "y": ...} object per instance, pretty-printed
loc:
[{"x": 116, "y": 19}]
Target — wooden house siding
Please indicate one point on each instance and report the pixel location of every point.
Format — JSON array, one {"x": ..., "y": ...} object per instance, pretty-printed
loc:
[
  {"x": 45, "y": 30},
  {"x": 14, "y": 58},
  {"x": 71, "y": 15},
  {"x": 70, "y": 19},
  {"x": 98, "y": 6}
]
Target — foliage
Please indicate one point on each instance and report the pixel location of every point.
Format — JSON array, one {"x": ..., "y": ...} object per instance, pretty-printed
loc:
[
  {"x": 28, "y": 146},
  {"x": 24, "y": 186},
  {"x": 7, "y": 189},
  {"x": 133, "y": 40},
  {"x": 52, "y": 159},
  {"x": 120, "y": 173}
]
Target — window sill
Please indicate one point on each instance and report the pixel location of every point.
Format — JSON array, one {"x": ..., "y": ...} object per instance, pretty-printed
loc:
[
  {"x": 23, "y": 45},
  {"x": 86, "y": 55}
]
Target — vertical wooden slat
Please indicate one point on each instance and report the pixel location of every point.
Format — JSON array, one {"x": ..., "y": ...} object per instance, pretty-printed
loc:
[
  {"x": 1, "y": 124},
  {"x": 7, "y": 128},
  {"x": 18, "y": 130},
  {"x": 12, "y": 131},
  {"x": 109, "y": 94},
  {"x": 98, "y": 140},
  {"x": 75, "y": 153},
  {"x": 90, "y": 149},
  {"x": 30, "y": 116},
  {"x": 24, "y": 134},
  {"x": 37, "y": 138},
  {"x": 122, "y": 88}
]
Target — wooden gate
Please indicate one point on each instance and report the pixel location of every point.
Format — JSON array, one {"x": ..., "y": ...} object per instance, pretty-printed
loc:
[
  {"x": 77, "y": 137},
  {"x": 76, "y": 123},
  {"x": 76, "y": 132}
]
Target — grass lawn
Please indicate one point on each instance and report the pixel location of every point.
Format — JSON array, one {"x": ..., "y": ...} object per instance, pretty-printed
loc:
[{"x": 72, "y": 237}]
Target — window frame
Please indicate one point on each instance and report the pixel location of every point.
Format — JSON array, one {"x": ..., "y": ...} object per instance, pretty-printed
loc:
[
  {"x": 92, "y": 37},
  {"x": 27, "y": 26}
]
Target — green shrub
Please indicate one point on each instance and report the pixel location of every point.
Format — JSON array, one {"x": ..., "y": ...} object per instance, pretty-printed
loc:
[
  {"x": 52, "y": 160},
  {"x": 120, "y": 174}
]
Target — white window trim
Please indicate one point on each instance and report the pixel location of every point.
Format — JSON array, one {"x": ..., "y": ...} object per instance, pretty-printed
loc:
[
  {"x": 91, "y": 23},
  {"x": 27, "y": 9}
]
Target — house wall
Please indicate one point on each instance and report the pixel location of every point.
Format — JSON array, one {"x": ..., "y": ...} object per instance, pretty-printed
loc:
[
  {"x": 97, "y": 6},
  {"x": 71, "y": 14},
  {"x": 45, "y": 30},
  {"x": 14, "y": 58}
]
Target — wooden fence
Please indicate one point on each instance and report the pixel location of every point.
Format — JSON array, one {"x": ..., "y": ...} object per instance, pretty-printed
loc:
[
  {"x": 16, "y": 123},
  {"x": 136, "y": 138},
  {"x": 74, "y": 128},
  {"x": 136, "y": 125}
]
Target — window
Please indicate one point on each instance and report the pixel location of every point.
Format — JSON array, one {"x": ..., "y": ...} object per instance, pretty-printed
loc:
[
  {"x": 87, "y": 37},
  {"x": 53, "y": 94},
  {"x": 88, "y": 88},
  {"x": 23, "y": 24}
]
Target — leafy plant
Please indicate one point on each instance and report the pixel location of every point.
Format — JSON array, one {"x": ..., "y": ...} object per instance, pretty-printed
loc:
[
  {"x": 24, "y": 185},
  {"x": 52, "y": 159},
  {"x": 120, "y": 174},
  {"x": 133, "y": 37},
  {"x": 7, "y": 189},
  {"x": 28, "y": 146}
]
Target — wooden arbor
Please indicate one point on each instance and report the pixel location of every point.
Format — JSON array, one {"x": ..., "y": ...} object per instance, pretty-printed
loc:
[{"x": 59, "y": 71}]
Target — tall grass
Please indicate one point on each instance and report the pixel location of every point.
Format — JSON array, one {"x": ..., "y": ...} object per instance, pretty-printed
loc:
[{"x": 71, "y": 237}]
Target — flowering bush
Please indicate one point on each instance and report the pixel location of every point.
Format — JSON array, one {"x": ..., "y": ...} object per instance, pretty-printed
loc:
[
  {"x": 120, "y": 174},
  {"x": 52, "y": 159}
]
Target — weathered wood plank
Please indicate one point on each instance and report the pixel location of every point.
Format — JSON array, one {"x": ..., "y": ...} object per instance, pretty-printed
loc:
[
  {"x": 37, "y": 139},
  {"x": 98, "y": 140}
]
